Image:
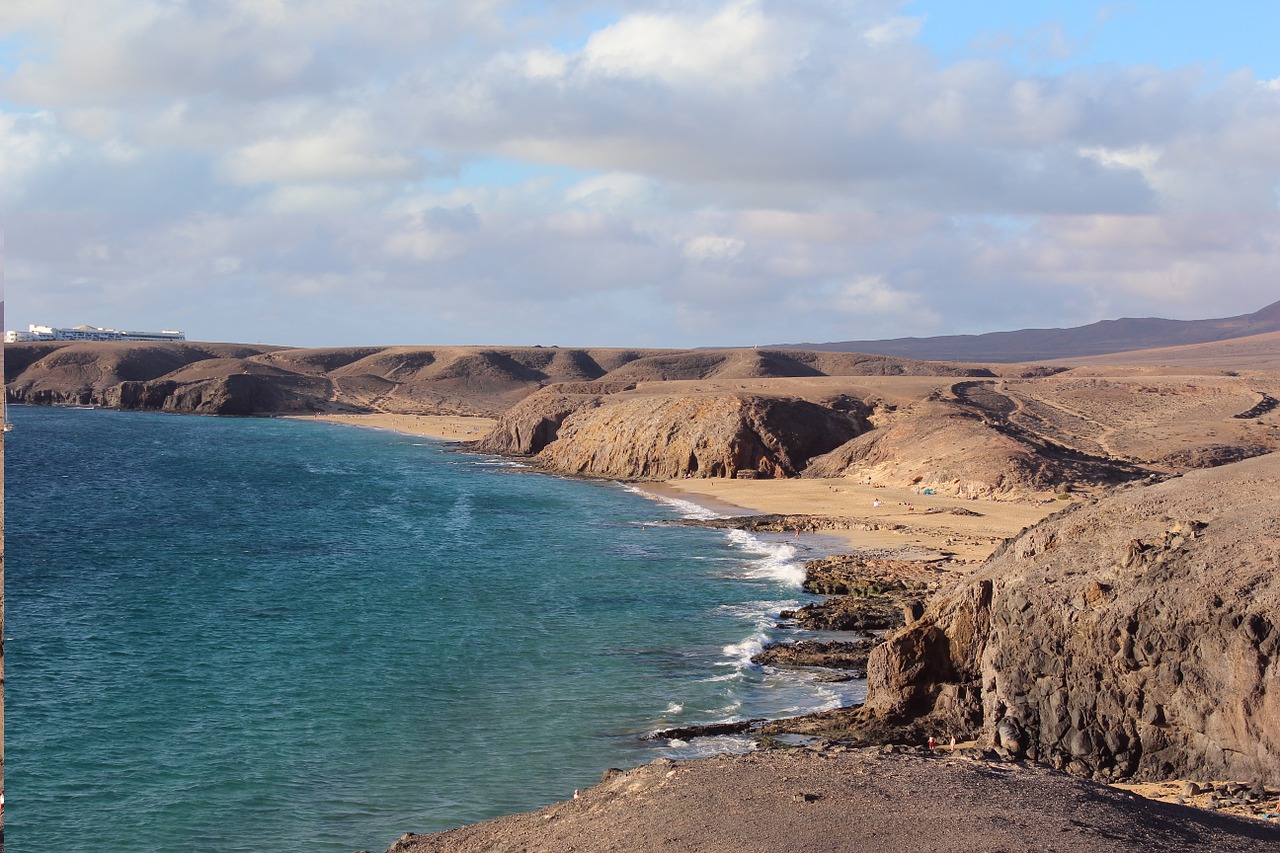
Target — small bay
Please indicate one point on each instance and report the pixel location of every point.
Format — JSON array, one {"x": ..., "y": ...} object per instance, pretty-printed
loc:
[{"x": 243, "y": 635}]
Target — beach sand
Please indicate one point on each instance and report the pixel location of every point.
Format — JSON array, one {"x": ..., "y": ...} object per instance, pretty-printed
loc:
[
  {"x": 968, "y": 537},
  {"x": 450, "y": 427}
]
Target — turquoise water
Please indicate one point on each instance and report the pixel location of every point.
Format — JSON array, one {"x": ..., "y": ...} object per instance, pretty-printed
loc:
[{"x": 283, "y": 635}]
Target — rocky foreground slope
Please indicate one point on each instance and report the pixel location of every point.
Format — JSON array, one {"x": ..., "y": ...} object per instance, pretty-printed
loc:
[
  {"x": 838, "y": 800},
  {"x": 1134, "y": 637}
]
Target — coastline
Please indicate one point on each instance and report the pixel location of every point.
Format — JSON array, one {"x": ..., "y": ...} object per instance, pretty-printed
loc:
[
  {"x": 907, "y": 520},
  {"x": 969, "y": 530},
  {"x": 463, "y": 428}
]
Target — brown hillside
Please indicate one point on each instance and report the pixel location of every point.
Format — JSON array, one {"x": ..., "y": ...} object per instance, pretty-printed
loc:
[
  {"x": 1135, "y": 637},
  {"x": 1253, "y": 353}
]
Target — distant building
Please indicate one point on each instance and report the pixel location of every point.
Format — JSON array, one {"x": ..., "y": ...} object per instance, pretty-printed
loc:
[{"x": 87, "y": 333}]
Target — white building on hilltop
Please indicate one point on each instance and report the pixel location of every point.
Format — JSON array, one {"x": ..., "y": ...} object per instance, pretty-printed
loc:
[{"x": 87, "y": 333}]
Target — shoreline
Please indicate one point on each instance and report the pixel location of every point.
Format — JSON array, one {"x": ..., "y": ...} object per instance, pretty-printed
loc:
[
  {"x": 967, "y": 529},
  {"x": 924, "y": 522},
  {"x": 461, "y": 428}
]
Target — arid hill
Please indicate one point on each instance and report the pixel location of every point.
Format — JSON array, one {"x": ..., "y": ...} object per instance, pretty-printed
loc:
[
  {"x": 966, "y": 430},
  {"x": 1107, "y": 336},
  {"x": 189, "y": 377},
  {"x": 1255, "y": 353}
]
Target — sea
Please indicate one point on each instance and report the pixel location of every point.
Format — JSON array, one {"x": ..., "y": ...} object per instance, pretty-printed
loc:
[{"x": 287, "y": 635}]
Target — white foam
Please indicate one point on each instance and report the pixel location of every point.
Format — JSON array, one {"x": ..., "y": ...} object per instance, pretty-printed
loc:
[
  {"x": 672, "y": 709},
  {"x": 779, "y": 561},
  {"x": 705, "y": 747},
  {"x": 686, "y": 509},
  {"x": 740, "y": 654}
]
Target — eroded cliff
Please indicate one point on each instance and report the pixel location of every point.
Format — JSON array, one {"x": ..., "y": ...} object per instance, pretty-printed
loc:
[
  {"x": 1135, "y": 637},
  {"x": 660, "y": 437}
]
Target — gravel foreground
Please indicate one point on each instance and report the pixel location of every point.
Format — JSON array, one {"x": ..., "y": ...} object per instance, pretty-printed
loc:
[{"x": 836, "y": 799}]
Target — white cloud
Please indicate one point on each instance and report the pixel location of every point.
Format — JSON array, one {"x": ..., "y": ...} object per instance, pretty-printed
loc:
[
  {"x": 346, "y": 150},
  {"x": 711, "y": 248},
  {"x": 892, "y": 31},
  {"x": 747, "y": 166},
  {"x": 734, "y": 45},
  {"x": 611, "y": 191},
  {"x": 30, "y": 146}
]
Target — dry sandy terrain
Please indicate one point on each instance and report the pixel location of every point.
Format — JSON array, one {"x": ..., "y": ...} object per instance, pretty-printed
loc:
[
  {"x": 968, "y": 537},
  {"x": 452, "y": 428}
]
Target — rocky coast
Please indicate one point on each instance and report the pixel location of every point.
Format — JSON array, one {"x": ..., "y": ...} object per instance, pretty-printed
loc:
[{"x": 1072, "y": 567}]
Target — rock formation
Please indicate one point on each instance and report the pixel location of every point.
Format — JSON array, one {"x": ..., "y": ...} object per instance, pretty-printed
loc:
[
  {"x": 535, "y": 421},
  {"x": 667, "y": 437},
  {"x": 1134, "y": 637}
]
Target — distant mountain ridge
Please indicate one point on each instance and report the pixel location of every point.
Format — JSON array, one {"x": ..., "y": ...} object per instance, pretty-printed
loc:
[{"x": 1101, "y": 338}]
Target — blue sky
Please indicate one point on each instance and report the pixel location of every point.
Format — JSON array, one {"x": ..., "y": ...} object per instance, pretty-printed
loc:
[
  {"x": 716, "y": 172},
  {"x": 1224, "y": 36}
]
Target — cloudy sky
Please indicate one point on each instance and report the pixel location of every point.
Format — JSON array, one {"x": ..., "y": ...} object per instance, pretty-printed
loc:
[{"x": 702, "y": 172}]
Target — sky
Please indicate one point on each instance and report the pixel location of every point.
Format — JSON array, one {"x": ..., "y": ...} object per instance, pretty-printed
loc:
[{"x": 667, "y": 174}]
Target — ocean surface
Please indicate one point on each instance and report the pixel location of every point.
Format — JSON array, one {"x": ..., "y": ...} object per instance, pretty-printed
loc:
[{"x": 280, "y": 635}]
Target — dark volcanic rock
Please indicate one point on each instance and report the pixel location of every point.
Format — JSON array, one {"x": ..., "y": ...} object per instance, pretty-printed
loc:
[
  {"x": 709, "y": 730},
  {"x": 788, "y": 523},
  {"x": 1134, "y": 638},
  {"x": 1211, "y": 456},
  {"x": 868, "y": 593},
  {"x": 830, "y": 655},
  {"x": 850, "y": 613}
]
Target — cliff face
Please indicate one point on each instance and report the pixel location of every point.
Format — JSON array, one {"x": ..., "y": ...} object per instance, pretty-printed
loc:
[
  {"x": 1134, "y": 638},
  {"x": 667, "y": 437},
  {"x": 535, "y": 421}
]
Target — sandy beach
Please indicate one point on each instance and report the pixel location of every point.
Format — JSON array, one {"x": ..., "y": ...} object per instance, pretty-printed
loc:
[
  {"x": 448, "y": 427},
  {"x": 928, "y": 520}
]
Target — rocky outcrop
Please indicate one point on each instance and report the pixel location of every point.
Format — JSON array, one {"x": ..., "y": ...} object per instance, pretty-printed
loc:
[
  {"x": 834, "y": 654},
  {"x": 242, "y": 394},
  {"x": 89, "y": 374},
  {"x": 668, "y": 437},
  {"x": 789, "y": 523},
  {"x": 535, "y": 421},
  {"x": 867, "y": 593},
  {"x": 1136, "y": 637}
]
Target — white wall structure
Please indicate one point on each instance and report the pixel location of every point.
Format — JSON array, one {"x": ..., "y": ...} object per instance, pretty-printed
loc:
[{"x": 88, "y": 333}]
